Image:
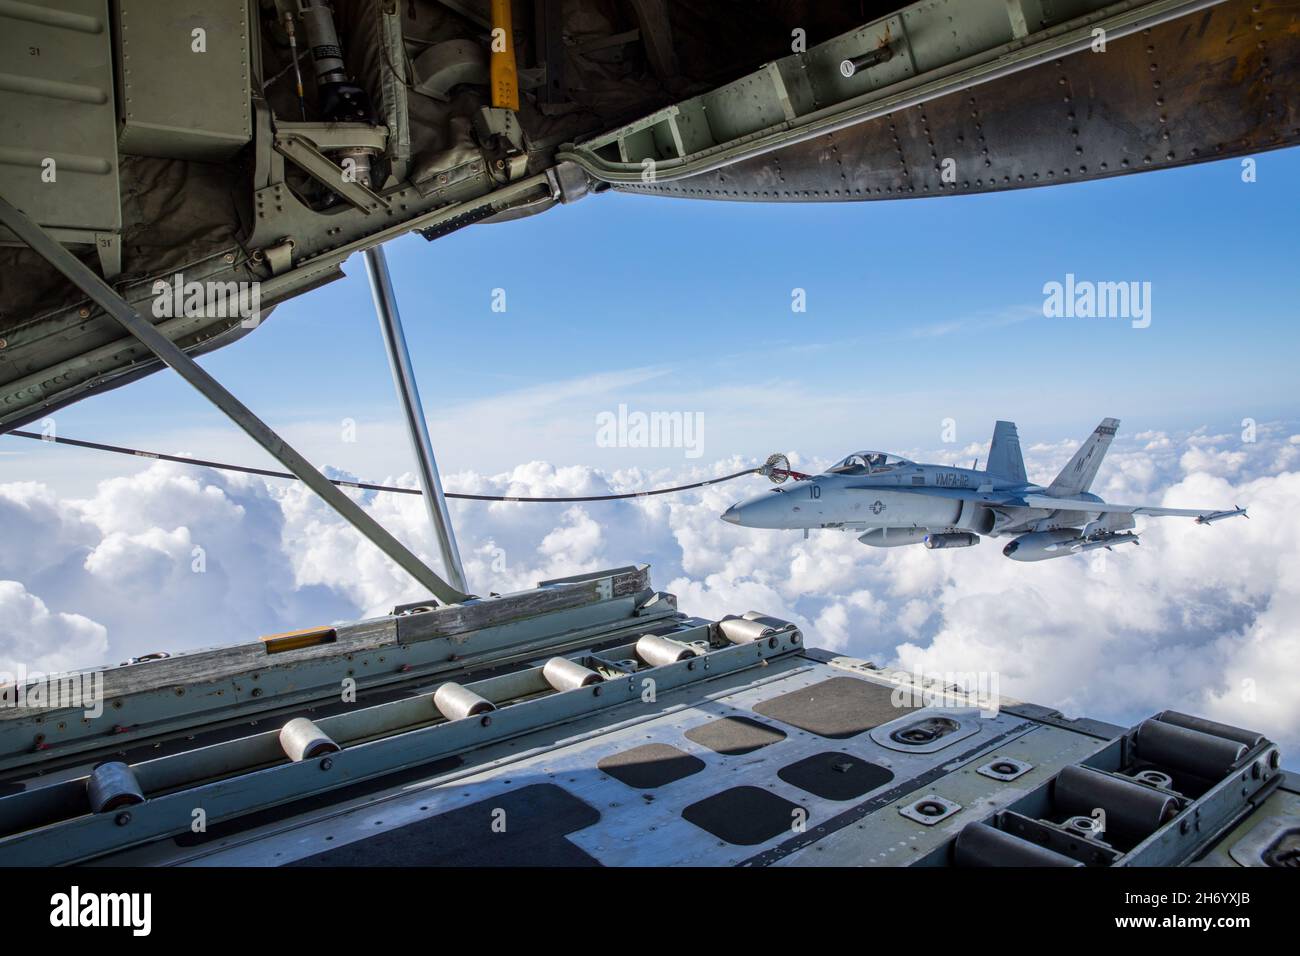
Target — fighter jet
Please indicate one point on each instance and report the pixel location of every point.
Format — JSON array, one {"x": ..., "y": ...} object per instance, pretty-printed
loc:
[{"x": 899, "y": 502}]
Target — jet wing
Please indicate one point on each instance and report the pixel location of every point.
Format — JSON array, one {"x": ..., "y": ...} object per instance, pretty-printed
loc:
[{"x": 1202, "y": 515}]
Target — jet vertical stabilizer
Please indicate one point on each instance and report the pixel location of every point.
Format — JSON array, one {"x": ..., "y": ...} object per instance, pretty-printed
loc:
[
  {"x": 1076, "y": 477},
  {"x": 1005, "y": 459}
]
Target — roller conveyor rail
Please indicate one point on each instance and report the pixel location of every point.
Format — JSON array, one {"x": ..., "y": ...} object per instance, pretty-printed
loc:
[
  {"x": 1157, "y": 796},
  {"x": 590, "y": 708}
]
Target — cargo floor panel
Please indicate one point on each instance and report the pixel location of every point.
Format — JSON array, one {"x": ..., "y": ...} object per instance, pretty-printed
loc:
[
  {"x": 838, "y": 708},
  {"x": 525, "y": 827}
]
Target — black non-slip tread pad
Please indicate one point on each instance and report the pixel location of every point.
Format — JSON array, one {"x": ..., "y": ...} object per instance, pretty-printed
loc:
[
  {"x": 650, "y": 765},
  {"x": 836, "y": 708},
  {"x": 537, "y": 818},
  {"x": 744, "y": 816},
  {"x": 835, "y": 776},
  {"x": 733, "y": 736}
]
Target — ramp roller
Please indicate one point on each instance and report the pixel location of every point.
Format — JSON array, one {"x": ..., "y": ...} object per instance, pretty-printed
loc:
[
  {"x": 767, "y": 619},
  {"x": 1133, "y": 812},
  {"x": 455, "y": 702},
  {"x": 303, "y": 740},
  {"x": 112, "y": 786},
  {"x": 775, "y": 622},
  {"x": 1247, "y": 737},
  {"x": 657, "y": 651},
  {"x": 979, "y": 844},
  {"x": 564, "y": 674},
  {"x": 739, "y": 630},
  {"x": 1191, "y": 751}
]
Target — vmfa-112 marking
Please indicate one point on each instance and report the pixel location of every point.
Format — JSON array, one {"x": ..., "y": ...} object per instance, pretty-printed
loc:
[{"x": 899, "y": 502}]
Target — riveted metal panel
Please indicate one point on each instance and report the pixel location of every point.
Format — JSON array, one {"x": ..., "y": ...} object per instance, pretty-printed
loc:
[
  {"x": 1202, "y": 87},
  {"x": 746, "y": 106},
  {"x": 183, "y": 70},
  {"x": 831, "y": 86},
  {"x": 56, "y": 104},
  {"x": 943, "y": 31}
]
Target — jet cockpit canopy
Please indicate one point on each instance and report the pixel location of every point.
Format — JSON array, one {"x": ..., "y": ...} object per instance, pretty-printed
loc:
[{"x": 867, "y": 463}]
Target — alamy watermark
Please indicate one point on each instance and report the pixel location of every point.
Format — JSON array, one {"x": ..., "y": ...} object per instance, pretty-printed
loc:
[
  {"x": 37, "y": 691},
  {"x": 133, "y": 911},
  {"x": 1084, "y": 299},
  {"x": 624, "y": 429},
  {"x": 947, "y": 689},
  {"x": 219, "y": 300}
]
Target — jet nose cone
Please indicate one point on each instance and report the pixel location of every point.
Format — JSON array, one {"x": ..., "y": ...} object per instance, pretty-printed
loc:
[{"x": 731, "y": 515}]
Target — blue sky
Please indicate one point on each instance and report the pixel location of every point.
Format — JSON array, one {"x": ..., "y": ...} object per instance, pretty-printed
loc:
[{"x": 917, "y": 311}]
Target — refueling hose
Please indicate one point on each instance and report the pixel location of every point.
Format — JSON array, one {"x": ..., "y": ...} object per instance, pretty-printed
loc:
[{"x": 776, "y": 468}]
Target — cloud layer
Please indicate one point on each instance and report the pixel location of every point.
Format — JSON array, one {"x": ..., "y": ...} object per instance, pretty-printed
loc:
[{"x": 1201, "y": 619}]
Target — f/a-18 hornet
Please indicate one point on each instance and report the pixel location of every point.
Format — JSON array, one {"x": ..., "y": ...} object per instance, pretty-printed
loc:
[{"x": 899, "y": 502}]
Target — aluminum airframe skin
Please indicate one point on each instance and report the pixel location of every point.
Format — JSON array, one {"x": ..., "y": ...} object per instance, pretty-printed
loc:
[{"x": 898, "y": 502}]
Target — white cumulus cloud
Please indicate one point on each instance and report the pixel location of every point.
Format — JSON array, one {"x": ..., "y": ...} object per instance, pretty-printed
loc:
[{"x": 1197, "y": 618}]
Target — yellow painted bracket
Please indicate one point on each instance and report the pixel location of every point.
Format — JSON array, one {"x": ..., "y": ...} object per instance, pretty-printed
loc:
[
  {"x": 503, "y": 70},
  {"x": 293, "y": 640}
]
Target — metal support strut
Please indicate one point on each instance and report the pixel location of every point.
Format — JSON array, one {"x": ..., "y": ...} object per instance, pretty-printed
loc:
[
  {"x": 408, "y": 394},
  {"x": 166, "y": 350}
]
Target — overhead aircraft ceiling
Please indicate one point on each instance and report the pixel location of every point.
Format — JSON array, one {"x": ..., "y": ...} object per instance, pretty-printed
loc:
[{"x": 214, "y": 171}]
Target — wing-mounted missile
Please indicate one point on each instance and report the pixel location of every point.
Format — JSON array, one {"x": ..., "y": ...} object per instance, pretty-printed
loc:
[{"x": 1214, "y": 516}]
